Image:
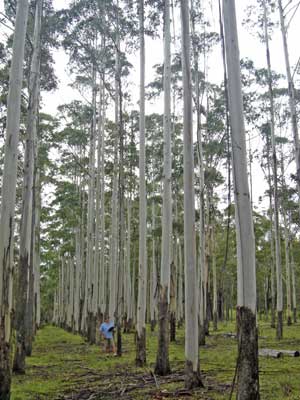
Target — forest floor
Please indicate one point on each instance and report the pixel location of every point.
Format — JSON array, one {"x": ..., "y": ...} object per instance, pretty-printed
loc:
[{"x": 64, "y": 367}]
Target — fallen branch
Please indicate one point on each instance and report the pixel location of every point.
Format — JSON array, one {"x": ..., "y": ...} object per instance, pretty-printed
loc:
[
  {"x": 270, "y": 353},
  {"x": 290, "y": 353}
]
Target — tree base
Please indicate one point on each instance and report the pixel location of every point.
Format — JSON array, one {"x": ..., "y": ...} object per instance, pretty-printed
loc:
[
  {"x": 173, "y": 327},
  {"x": 201, "y": 335},
  {"x": 192, "y": 378},
  {"x": 279, "y": 328},
  {"x": 152, "y": 325},
  {"x": 92, "y": 322},
  {"x": 5, "y": 374},
  {"x": 140, "y": 359},
  {"x": 119, "y": 340},
  {"x": 295, "y": 315},
  {"x": 247, "y": 368},
  {"x": 289, "y": 320},
  {"x": 215, "y": 321},
  {"x": 162, "y": 366},
  {"x": 19, "y": 357},
  {"x": 273, "y": 324}
]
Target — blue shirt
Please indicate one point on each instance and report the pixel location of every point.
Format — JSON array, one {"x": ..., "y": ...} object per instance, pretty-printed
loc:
[{"x": 104, "y": 329}]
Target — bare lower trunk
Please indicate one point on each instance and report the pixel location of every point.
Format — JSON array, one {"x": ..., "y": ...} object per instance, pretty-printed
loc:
[
  {"x": 192, "y": 372},
  {"x": 140, "y": 359},
  {"x": 247, "y": 354},
  {"x": 279, "y": 326},
  {"x": 19, "y": 357},
  {"x": 247, "y": 367},
  {"x": 5, "y": 374},
  {"x": 294, "y": 287},
  {"x": 162, "y": 366},
  {"x": 173, "y": 287}
]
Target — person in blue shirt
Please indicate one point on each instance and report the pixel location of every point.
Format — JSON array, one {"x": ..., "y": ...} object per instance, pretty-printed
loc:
[{"x": 107, "y": 332}]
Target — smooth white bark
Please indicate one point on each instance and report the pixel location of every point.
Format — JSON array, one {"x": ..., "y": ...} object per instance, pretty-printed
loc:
[
  {"x": 244, "y": 221},
  {"x": 142, "y": 277},
  {"x": 191, "y": 287},
  {"x": 10, "y": 168}
]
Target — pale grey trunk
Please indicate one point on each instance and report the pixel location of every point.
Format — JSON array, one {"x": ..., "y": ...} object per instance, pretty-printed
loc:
[
  {"x": 91, "y": 284},
  {"x": 153, "y": 275},
  {"x": 128, "y": 288},
  {"x": 272, "y": 269},
  {"x": 247, "y": 372},
  {"x": 192, "y": 377},
  {"x": 201, "y": 258},
  {"x": 275, "y": 194},
  {"x": 26, "y": 218},
  {"x": 97, "y": 264},
  {"x": 294, "y": 286},
  {"x": 142, "y": 276},
  {"x": 291, "y": 92},
  {"x": 7, "y": 216},
  {"x": 60, "y": 294},
  {"x": 180, "y": 283},
  {"x": 114, "y": 239},
  {"x": 78, "y": 272},
  {"x": 102, "y": 286},
  {"x": 214, "y": 271},
  {"x": 162, "y": 366},
  {"x": 287, "y": 251},
  {"x": 133, "y": 293},
  {"x": 37, "y": 245}
]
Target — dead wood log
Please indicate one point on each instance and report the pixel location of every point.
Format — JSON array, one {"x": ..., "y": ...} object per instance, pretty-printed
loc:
[
  {"x": 270, "y": 353},
  {"x": 291, "y": 353}
]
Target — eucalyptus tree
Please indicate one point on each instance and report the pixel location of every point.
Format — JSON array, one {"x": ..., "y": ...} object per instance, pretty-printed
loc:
[
  {"x": 142, "y": 280},
  {"x": 247, "y": 370},
  {"x": 192, "y": 374},
  {"x": 291, "y": 93},
  {"x": 275, "y": 177},
  {"x": 162, "y": 366},
  {"x": 27, "y": 203},
  {"x": 9, "y": 195}
]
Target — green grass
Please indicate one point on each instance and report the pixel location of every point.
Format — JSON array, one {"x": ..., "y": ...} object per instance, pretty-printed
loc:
[{"x": 63, "y": 364}]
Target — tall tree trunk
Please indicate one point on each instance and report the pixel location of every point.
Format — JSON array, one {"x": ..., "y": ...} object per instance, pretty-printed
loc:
[
  {"x": 272, "y": 269},
  {"x": 142, "y": 276},
  {"x": 214, "y": 271},
  {"x": 26, "y": 219},
  {"x": 128, "y": 293},
  {"x": 201, "y": 258},
  {"x": 293, "y": 286},
  {"x": 7, "y": 215},
  {"x": 180, "y": 315},
  {"x": 291, "y": 92},
  {"x": 192, "y": 367},
  {"x": 97, "y": 265},
  {"x": 247, "y": 373},
  {"x": 113, "y": 276},
  {"x": 287, "y": 250},
  {"x": 162, "y": 366},
  {"x": 275, "y": 175},
  {"x": 121, "y": 271},
  {"x": 153, "y": 276},
  {"x": 37, "y": 245},
  {"x": 103, "y": 275},
  {"x": 90, "y": 271}
]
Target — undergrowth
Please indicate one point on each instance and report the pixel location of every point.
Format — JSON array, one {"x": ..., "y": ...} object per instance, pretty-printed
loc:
[{"x": 64, "y": 366}]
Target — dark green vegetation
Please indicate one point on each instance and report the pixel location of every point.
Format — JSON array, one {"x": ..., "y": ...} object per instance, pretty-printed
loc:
[{"x": 64, "y": 366}]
